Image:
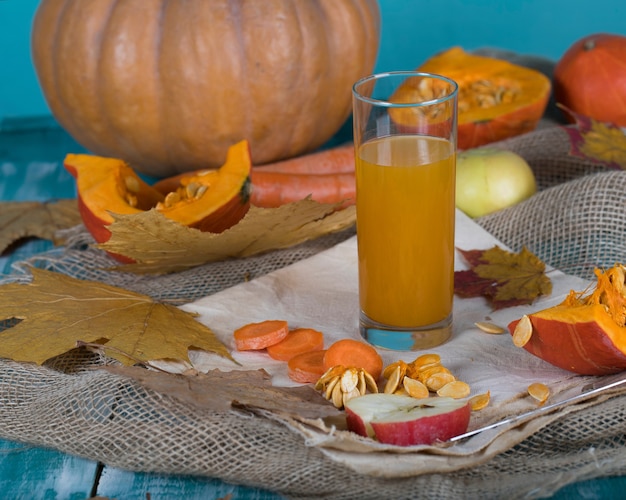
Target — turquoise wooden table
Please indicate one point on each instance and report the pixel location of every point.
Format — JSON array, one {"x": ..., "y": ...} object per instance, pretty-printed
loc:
[{"x": 30, "y": 169}]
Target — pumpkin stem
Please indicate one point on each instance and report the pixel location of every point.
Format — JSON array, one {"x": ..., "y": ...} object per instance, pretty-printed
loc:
[{"x": 589, "y": 44}]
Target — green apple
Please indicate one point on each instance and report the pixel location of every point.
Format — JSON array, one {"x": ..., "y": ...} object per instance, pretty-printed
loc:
[{"x": 489, "y": 179}]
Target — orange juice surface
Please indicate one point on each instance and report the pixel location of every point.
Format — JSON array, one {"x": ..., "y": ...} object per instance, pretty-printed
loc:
[{"x": 405, "y": 229}]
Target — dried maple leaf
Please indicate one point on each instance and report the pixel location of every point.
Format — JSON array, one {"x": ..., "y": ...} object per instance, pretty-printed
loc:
[
  {"x": 599, "y": 142},
  {"x": 160, "y": 245},
  {"x": 23, "y": 219},
  {"x": 55, "y": 311},
  {"x": 506, "y": 279},
  {"x": 219, "y": 391}
]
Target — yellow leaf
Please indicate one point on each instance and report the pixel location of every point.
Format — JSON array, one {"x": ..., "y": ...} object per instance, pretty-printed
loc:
[
  {"x": 22, "y": 219},
  {"x": 601, "y": 143},
  {"x": 605, "y": 143},
  {"x": 505, "y": 278},
  {"x": 160, "y": 245},
  {"x": 57, "y": 311}
]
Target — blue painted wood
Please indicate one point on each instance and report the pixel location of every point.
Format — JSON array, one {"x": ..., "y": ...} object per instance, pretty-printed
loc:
[
  {"x": 36, "y": 473},
  {"x": 116, "y": 483},
  {"x": 610, "y": 488}
]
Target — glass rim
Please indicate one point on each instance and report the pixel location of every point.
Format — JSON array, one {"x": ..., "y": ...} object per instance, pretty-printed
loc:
[{"x": 406, "y": 74}]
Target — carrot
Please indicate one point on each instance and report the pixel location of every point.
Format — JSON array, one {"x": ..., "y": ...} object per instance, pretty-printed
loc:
[
  {"x": 272, "y": 189},
  {"x": 256, "y": 336},
  {"x": 327, "y": 176},
  {"x": 307, "y": 367},
  {"x": 339, "y": 159},
  {"x": 296, "y": 342},
  {"x": 350, "y": 352}
]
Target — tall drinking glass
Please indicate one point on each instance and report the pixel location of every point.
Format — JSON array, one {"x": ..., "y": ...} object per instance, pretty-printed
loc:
[{"x": 405, "y": 130}]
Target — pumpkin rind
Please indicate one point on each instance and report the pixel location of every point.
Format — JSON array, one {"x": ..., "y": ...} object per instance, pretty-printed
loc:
[
  {"x": 590, "y": 78},
  {"x": 168, "y": 85},
  {"x": 108, "y": 186},
  {"x": 101, "y": 186},
  {"x": 502, "y": 118},
  {"x": 226, "y": 200},
  {"x": 582, "y": 340},
  {"x": 584, "y": 334}
]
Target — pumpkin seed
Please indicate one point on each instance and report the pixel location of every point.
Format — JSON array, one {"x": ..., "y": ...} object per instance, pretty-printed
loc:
[
  {"x": 349, "y": 380},
  {"x": 370, "y": 383},
  {"x": 200, "y": 192},
  {"x": 491, "y": 328},
  {"x": 171, "y": 199},
  {"x": 362, "y": 386},
  {"x": 415, "y": 388},
  {"x": 337, "y": 396},
  {"x": 132, "y": 184},
  {"x": 480, "y": 401},
  {"x": 438, "y": 380},
  {"x": 456, "y": 389},
  {"x": 328, "y": 393},
  {"x": 394, "y": 380},
  {"x": 389, "y": 369},
  {"x": 523, "y": 331},
  {"x": 539, "y": 391},
  {"x": 426, "y": 359},
  {"x": 131, "y": 199},
  {"x": 191, "y": 189},
  {"x": 347, "y": 396},
  {"x": 328, "y": 376},
  {"x": 485, "y": 94},
  {"x": 340, "y": 384},
  {"x": 427, "y": 372}
]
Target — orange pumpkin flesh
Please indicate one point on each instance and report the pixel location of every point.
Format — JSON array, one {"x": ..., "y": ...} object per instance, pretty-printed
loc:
[
  {"x": 496, "y": 99},
  {"x": 590, "y": 78},
  {"x": 584, "y": 335},
  {"x": 212, "y": 201}
]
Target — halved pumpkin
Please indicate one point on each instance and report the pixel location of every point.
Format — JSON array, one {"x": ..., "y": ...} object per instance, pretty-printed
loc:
[
  {"x": 496, "y": 99},
  {"x": 212, "y": 201},
  {"x": 584, "y": 334}
]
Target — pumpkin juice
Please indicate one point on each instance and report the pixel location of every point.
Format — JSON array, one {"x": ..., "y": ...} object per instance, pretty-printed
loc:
[{"x": 405, "y": 224}]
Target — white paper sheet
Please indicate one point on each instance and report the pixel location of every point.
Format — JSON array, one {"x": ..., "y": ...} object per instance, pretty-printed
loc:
[{"x": 321, "y": 293}]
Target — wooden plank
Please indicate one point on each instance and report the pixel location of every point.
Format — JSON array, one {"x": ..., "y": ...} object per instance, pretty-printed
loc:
[{"x": 34, "y": 473}]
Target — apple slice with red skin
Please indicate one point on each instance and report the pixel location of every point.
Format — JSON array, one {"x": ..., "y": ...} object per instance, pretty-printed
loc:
[{"x": 407, "y": 421}]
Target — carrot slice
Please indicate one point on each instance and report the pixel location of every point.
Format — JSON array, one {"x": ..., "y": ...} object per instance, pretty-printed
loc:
[
  {"x": 296, "y": 342},
  {"x": 350, "y": 352},
  {"x": 306, "y": 368},
  {"x": 256, "y": 336}
]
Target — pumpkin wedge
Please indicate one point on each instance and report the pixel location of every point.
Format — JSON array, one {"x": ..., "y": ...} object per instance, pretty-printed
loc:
[
  {"x": 496, "y": 99},
  {"x": 211, "y": 200},
  {"x": 584, "y": 334}
]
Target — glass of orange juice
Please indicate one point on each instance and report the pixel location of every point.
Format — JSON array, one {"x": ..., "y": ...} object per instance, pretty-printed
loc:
[{"x": 405, "y": 127}]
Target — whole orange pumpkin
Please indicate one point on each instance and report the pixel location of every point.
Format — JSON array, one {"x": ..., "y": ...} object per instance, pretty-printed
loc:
[
  {"x": 169, "y": 85},
  {"x": 590, "y": 78}
]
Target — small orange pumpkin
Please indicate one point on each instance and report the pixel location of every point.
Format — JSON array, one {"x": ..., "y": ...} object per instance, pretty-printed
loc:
[
  {"x": 584, "y": 334},
  {"x": 497, "y": 99},
  {"x": 168, "y": 85},
  {"x": 212, "y": 200},
  {"x": 590, "y": 78}
]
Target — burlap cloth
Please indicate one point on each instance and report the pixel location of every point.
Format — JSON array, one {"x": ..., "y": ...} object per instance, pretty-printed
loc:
[{"x": 575, "y": 223}]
